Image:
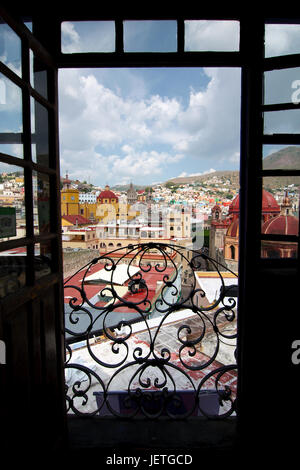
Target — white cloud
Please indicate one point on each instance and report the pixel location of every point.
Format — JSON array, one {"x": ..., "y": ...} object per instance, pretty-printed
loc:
[
  {"x": 282, "y": 39},
  {"x": 214, "y": 131},
  {"x": 70, "y": 38},
  {"x": 235, "y": 157},
  {"x": 185, "y": 174},
  {"x": 211, "y": 170},
  {"x": 211, "y": 35},
  {"x": 88, "y": 36},
  {"x": 111, "y": 135},
  {"x": 135, "y": 165}
]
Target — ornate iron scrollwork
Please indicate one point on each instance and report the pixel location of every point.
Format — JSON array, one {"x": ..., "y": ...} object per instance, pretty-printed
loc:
[{"x": 128, "y": 373}]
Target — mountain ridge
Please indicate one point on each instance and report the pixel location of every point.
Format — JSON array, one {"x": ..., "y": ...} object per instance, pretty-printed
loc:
[{"x": 287, "y": 158}]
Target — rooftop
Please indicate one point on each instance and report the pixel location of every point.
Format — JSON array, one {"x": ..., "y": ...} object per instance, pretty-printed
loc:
[{"x": 76, "y": 219}]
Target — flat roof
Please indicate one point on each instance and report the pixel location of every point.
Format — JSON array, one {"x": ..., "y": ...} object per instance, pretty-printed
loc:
[
  {"x": 119, "y": 275},
  {"x": 211, "y": 282},
  {"x": 98, "y": 312}
]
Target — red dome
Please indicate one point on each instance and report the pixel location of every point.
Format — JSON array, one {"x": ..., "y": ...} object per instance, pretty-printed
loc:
[
  {"x": 235, "y": 205},
  {"x": 281, "y": 225},
  {"x": 66, "y": 179},
  {"x": 233, "y": 229},
  {"x": 269, "y": 204},
  {"x": 107, "y": 194}
]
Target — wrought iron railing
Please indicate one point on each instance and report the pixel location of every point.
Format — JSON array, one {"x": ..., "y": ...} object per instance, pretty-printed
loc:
[{"x": 144, "y": 338}]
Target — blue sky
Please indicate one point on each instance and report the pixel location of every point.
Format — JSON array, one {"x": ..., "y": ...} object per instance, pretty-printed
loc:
[{"x": 146, "y": 125}]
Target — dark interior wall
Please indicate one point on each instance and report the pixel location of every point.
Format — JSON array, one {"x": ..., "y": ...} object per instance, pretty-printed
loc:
[{"x": 268, "y": 402}]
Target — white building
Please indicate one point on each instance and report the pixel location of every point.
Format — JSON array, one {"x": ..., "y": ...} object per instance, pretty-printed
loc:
[{"x": 90, "y": 198}]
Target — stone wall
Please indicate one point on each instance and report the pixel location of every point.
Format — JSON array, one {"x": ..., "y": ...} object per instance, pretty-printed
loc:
[{"x": 73, "y": 260}]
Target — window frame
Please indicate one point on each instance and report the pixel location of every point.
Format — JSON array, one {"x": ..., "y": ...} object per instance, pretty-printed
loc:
[
  {"x": 252, "y": 63},
  {"x": 250, "y": 59},
  {"x": 30, "y": 47}
]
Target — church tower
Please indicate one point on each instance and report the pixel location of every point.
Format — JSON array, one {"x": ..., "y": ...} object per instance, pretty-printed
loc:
[
  {"x": 286, "y": 205},
  {"x": 218, "y": 229},
  {"x": 69, "y": 198},
  {"x": 131, "y": 195}
]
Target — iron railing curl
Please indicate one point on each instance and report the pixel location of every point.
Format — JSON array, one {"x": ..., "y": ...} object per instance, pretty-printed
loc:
[{"x": 123, "y": 373}]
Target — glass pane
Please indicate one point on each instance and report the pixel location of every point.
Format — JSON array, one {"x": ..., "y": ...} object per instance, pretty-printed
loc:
[
  {"x": 212, "y": 35},
  {"x": 41, "y": 202},
  {"x": 282, "y": 39},
  {"x": 10, "y": 48},
  {"x": 282, "y": 122},
  {"x": 28, "y": 23},
  {"x": 11, "y": 120},
  {"x": 280, "y": 215},
  {"x": 281, "y": 157},
  {"x": 87, "y": 36},
  {"x": 11, "y": 124},
  {"x": 12, "y": 270},
  {"x": 42, "y": 259},
  {"x": 282, "y": 86},
  {"x": 16, "y": 150},
  {"x": 40, "y": 133},
  {"x": 150, "y": 36},
  {"x": 12, "y": 203},
  {"x": 38, "y": 75},
  {"x": 276, "y": 250}
]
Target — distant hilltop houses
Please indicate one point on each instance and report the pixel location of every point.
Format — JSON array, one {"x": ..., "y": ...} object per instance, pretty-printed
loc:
[
  {"x": 113, "y": 220},
  {"x": 198, "y": 213}
]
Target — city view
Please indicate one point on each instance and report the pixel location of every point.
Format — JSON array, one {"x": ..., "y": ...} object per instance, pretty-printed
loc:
[
  {"x": 149, "y": 219},
  {"x": 194, "y": 217},
  {"x": 149, "y": 234}
]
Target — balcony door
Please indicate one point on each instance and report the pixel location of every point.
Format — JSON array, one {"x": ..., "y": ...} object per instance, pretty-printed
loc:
[{"x": 31, "y": 330}]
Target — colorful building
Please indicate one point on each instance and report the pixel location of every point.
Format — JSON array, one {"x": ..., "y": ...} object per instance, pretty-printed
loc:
[
  {"x": 69, "y": 198},
  {"x": 283, "y": 224},
  {"x": 275, "y": 218}
]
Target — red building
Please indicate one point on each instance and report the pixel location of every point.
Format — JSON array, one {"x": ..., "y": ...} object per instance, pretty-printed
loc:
[
  {"x": 282, "y": 224},
  {"x": 275, "y": 218},
  {"x": 107, "y": 196}
]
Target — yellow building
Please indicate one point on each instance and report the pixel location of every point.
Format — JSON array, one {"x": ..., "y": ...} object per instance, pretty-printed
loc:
[
  {"x": 19, "y": 179},
  {"x": 69, "y": 199},
  {"x": 88, "y": 210},
  {"x": 108, "y": 206}
]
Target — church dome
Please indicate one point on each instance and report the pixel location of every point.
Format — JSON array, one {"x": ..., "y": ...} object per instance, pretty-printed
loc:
[
  {"x": 66, "y": 182},
  {"x": 269, "y": 204},
  {"x": 233, "y": 229},
  {"x": 107, "y": 194},
  {"x": 281, "y": 225},
  {"x": 66, "y": 179}
]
